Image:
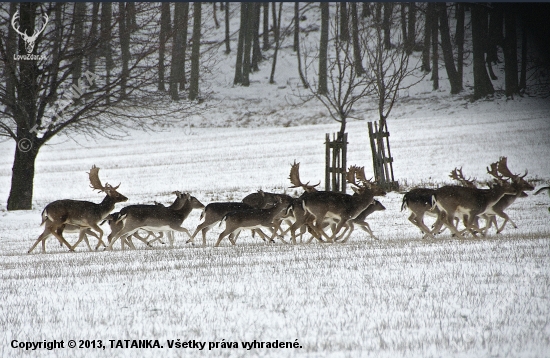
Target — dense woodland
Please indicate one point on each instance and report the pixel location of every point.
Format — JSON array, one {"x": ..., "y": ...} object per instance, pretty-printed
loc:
[{"x": 98, "y": 68}]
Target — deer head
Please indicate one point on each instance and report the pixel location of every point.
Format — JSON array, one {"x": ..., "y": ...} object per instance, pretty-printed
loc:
[
  {"x": 518, "y": 180},
  {"x": 365, "y": 184},
  {"x": 29, "y": 40}
]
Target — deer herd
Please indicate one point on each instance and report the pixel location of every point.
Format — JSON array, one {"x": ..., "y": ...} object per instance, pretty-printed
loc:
[{"x": 281, "y": 215}]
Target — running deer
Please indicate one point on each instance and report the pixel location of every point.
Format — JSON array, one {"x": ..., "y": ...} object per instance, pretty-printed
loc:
[
  {"x": 237, "y": 221},
  {"x": 116, "y": 224},
  {"x": 341, "y": 207},
  {"x": 469, "y": 203},
  {"x": 155, "y": 218},
  {"x": 82, "y": 214},
  {"x": 500, "y": 171}
]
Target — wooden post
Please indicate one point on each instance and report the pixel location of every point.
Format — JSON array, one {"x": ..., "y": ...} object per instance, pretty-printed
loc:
[
  {"x": 382, "y": 164},
  {"x": 335, "y": 162}
]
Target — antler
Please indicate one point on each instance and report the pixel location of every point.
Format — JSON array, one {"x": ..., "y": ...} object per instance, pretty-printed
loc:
[
  {"x": 503, "y": 169},
  {"x": 95, "y": 183},
  {"x": 360, "y": 174},
  {"x": 457, "y": 175},
  {"x": 350, "y": 175},
  {"x": 294, "y": 178}
]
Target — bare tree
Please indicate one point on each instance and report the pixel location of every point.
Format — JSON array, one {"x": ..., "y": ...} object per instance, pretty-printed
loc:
[
  {"x": 164, "y": 35},
  {"x": 344, "y": 86},
  {"x": 195, "y": 52},
  {"x": 47, "y": 103}
]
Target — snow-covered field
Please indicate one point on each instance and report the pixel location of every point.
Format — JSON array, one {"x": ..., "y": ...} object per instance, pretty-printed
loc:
[{"x": 399, "y": 296}]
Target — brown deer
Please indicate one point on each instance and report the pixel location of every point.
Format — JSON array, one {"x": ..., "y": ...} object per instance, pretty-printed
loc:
[
  {"x": 83, "y": 214},
  {"x": 500, "y": 171},
  {"x": 253, "y": 218},
  {"x": 155, "y": 218},
  {"x": 469, "y": 203},
  {"x": 341, "y": 207},
  {"x": 116, "y": 224}
]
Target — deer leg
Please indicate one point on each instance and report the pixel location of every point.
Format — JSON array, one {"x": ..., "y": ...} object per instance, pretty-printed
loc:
[
  {"x": 448, "y": 220},
  {"x": 42, "y": 238},
  {"x": 418, "y": 221},
  {"x": 349, "y": 227},
  {"x": 222, "y": 235}
]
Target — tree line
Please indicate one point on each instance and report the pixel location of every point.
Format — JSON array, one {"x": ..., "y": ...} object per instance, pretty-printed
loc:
[{"x": 104, "y": 68}]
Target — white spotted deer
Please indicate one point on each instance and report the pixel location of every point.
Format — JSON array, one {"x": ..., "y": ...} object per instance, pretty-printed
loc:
[{"x": 80, "y": 214}]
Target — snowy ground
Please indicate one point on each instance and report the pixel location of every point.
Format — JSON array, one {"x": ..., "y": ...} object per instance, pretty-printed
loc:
[{"x": 399, "y": 296}]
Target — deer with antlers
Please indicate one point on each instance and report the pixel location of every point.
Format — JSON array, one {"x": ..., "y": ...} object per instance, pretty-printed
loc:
[
  {"x": 155, "y": 218},
  {"x": 82, "y": 214},
  {"x": 469, "y": 203},
  {"x": 500, "y": 171},
  {"x": 340, "y": 207}
]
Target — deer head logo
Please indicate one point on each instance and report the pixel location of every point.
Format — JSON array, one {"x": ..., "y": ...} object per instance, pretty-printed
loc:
[{"x": 29, "y": 40}]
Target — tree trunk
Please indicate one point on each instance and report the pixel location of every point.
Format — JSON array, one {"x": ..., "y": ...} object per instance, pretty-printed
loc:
[
  {"x": 195, "y": 52},
  {"x": 276, "y": 31},
  {"x": 459, "y": 40},
  {"x": 215, "y": 15},
  {"x": 344, "y": 29},
  {"x": 164, "y": 34},
  {"x": 482, "y": 82},
  {"x": 366, "y": 11},
  {"x": 356, "y": 46},
  {"x": 447, "y": 48},
  {"x": 227, "y": 46},
  {"x": 296, "y": 26},
  {"x": 386, "y": 24},
  {"x": 256, "y": 48},
  {"x": 323, "y": 50},
  {"x": 25, "y": 114},
  {"x": 411, "y": 36},
  {"x": 106, "y": 21},
  {"x": 435, "y": 45},
  {"x": 240, "y": 44},
  {"x": 404, "y": 21},
  {"x": 184, "y": 25},
  {"x": 22, "y": 178},
  {"x": 177, "y": 67},
  {"x": 93, "y": 37},
  {"x": 248, "y": 44},
  {"x": 124, "y": 46},
  {"x": 80, "y": 18},
  {"x": 427, "y": 39},
  {"x": 494, "y": 36},
  {"x": 131, "y": 22},
  {"x": 265, "y": 26},
  {"x": 510, "y": 52}
]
